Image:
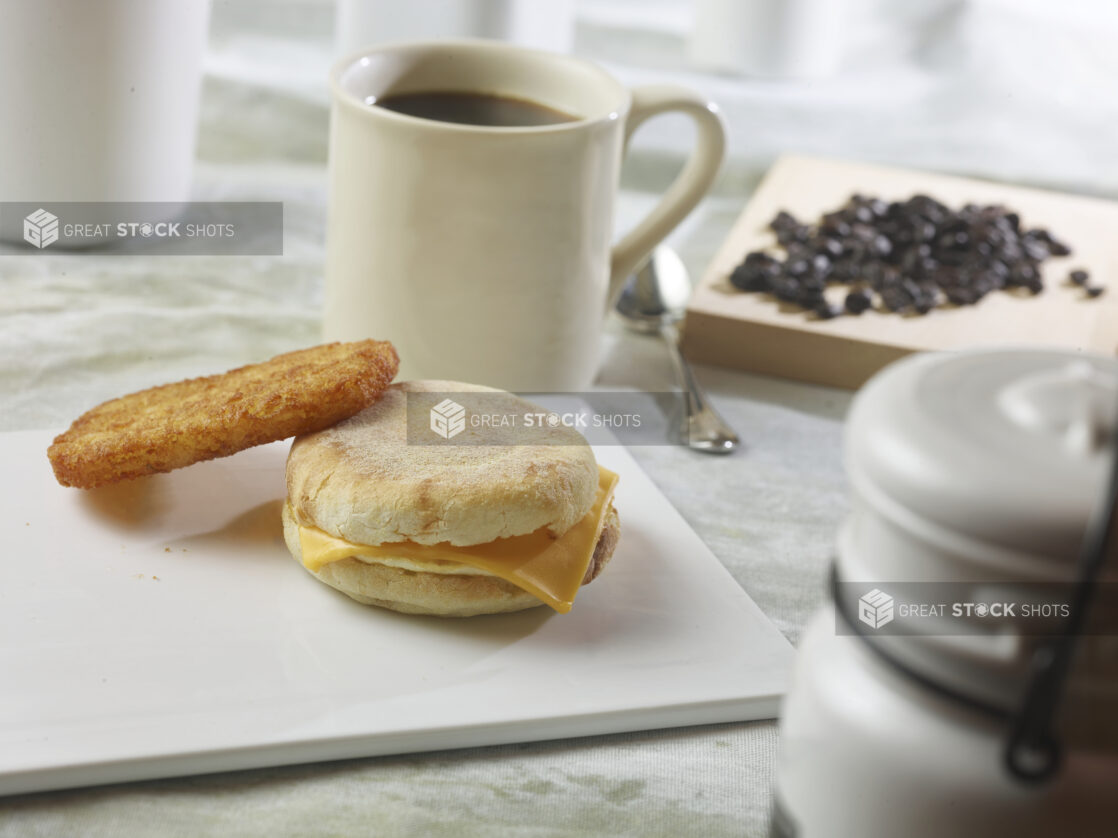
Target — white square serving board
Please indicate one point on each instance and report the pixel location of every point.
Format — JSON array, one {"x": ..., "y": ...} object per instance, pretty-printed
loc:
[{"x": 160, "y": 628}]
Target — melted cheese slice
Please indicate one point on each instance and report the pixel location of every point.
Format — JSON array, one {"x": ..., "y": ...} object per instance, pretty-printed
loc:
[{"x": 546, "y": 567}]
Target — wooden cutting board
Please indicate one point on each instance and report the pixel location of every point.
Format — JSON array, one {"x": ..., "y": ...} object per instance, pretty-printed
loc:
[{"x": 757, "y": 333}]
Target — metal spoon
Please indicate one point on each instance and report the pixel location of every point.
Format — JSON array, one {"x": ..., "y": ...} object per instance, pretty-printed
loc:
[{"x": 653, "y": 301}]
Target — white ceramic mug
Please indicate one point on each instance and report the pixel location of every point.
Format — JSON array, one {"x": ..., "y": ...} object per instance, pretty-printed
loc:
[
  {"x": 484, "y": 253},
  {"x": 99, "y": 101}
]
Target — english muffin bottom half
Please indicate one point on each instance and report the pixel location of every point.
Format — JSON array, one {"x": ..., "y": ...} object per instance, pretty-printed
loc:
[{"x": 494, "y": 522}]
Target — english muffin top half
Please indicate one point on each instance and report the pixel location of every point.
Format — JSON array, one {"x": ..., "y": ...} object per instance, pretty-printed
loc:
[{"x": 362, "y": 480}]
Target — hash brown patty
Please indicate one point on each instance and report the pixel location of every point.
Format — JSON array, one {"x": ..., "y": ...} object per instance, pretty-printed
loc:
[{"x": 174, "y": 425}]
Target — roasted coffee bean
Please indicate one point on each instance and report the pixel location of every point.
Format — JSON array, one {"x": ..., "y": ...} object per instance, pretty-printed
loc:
[
  {"x": 854, "y": 250},
  {"x": 1023, "y": 273},
  {"x": 756, "y": 273},
  {"x": 834, "y": 224},
  {"x": 926, "y": 267},
  {"x": 863, "y": 232},
  {"x": 1011, "y": 251},
  {"x": 787, "y": 290},
  {"x": 826, "y": 311},
  {"x": 878, "y": 275},
  {"x": 797, "y": 268},
  {"x": 745, "y": 279},
  {"x": 960, "y": 296},
  {"x": 995, "y": 278},
  {"x": 924, "y": 305},
  {"x": 798, "y": 251},
  {"x": 1036, "y": 250},
  {"x": 813, "y": 284},
  {"x": 881, "y": 246},
  {"x": 790, "y": 235},
  {"x": 895, "y": 299},
  {"x": 810, "y": 299},
  {"x": 910, "y": 261},
  {"x": 858, "y": 300},
  {"x": 890, "y": 276},
  {"x": 923, "y": 231},
  {"x": 844, "y": 270},
  {"x": 784, "y": 219},
  {"x": 1058, "y": 248}
]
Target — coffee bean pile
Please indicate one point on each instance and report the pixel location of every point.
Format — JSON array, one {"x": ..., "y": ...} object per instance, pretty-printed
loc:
[{"x": 908, "y": 257}]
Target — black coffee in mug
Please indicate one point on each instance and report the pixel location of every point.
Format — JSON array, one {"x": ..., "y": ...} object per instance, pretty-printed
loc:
[{"x": 467, "y": 108}]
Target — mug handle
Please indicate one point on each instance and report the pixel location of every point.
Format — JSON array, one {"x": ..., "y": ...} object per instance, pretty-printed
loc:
[{"x": 689, "y": 186}]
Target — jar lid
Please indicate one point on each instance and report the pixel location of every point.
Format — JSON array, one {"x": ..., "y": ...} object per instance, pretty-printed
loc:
[{"x": 1010, "y": 447}]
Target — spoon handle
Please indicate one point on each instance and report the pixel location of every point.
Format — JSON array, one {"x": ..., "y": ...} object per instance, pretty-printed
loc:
[{"x": 702, "y": 428}]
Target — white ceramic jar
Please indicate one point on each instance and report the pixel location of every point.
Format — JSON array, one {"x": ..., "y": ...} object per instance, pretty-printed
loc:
[{"x": 970, "y": 473}]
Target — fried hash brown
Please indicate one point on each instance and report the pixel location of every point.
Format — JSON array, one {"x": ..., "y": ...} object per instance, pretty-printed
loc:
[{"x": 174, "y": 425}]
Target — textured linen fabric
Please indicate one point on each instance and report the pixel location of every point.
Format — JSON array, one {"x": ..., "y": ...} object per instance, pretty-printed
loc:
[{"x": 939, "y": 84}]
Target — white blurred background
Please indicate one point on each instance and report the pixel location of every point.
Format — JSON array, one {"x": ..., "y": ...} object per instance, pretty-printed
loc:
[{"x": 1016, "y": 90}]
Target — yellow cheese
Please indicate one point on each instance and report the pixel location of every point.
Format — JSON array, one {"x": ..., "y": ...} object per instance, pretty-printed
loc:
[{"x": 546, "y": 567}]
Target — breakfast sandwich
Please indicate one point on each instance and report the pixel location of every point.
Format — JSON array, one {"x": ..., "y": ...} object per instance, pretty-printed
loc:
[{"x": 491, "y": 521}]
